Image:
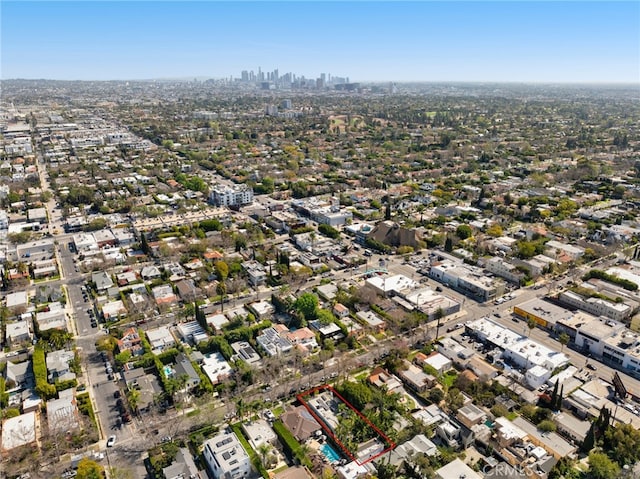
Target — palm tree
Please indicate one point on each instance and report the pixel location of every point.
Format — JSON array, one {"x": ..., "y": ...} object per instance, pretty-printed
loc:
[
  {"x": 133, "y": 397},
  {"x": 221, "y": 290},
  {"x": 531, "y": 324},
  {"x": 263, "y": 449},
  {"x": 563, "y": 339}
]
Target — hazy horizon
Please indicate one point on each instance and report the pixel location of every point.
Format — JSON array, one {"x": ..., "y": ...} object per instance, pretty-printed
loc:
[{"x": 407, "y": 42}]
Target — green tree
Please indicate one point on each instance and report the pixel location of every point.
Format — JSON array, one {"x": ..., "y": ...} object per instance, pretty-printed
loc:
[
  {"x": 495, "y": 230},
  {"x": 623, "y": 443},
  {"x": 448, "y": 245},
  {"x": 526, "y": 249},
  {"x": 589, "y": 439},
  {"x": 307, "y": 305},
  {"x": 222, "y": 270},
  {"x": 464, "y": 231},
  {"x": 601, "y": 467},
  {"x": 123, "y": 358},
  {"x": 436, "y": 395},
  {"x": 144, "y": 244},
  {"x": 547, "y": 426},
  {"x": 88, "y": 469},
  {"x": 454, "y": 399}
]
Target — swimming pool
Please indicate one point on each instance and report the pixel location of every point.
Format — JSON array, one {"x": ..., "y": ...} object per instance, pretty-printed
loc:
[{"x": 330, "y": 453}]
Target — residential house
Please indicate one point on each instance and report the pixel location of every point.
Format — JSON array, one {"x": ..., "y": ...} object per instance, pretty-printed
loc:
[
  {"x": 126, "y": 277},
  {"x": 18, "y": 332},
  {"x": 47, "y": 293},
  {"x": 147, "y": 384},
  {"x": 439, "y": 362},
  {"x": 54, "y": 318},
  {"x": 262, "y": 309},
  {"x": 454, "y": 434},
  {"x": 131, "y": 342},
  {"x": 150, "y": 273},
  {"x": 418, "y": 446},
  {"x": 226, "y": 458},
  {"x": 17, "y": 301},
  {"x": 272, "y": 343},
  {"x": 327, "y": 331},
  {"x": 551, "y": 442},
  {"x": 19, "y": 431},
  {"x": 182, "y": 467},
  {"x": 102, "y": 280},
  {"x": 371, "y": 321},
  {"x": 457, "y": 469},
  {"x": 415, "y": 378},
  {"x": 216, "y": 368},
  {"x": 302, "y": 338},
  {"x": 63, "y": 414},
  {"x": 184, "y": 368},
  {"x": 259, "y": 432},
  {"x": 191, "y": 332},
  {"x": 256, "y": 273},
  {"x": 245, "y": 352},
  {"x": 187, "y": 290},
  {"x": 164, "y": 295},
  {"x": 340, "y": 310},
  {"x": 471, "y": 415},
  {"x": 19, "y": 374},
  {"x": 299, "y": 421},
  {"x": 327, "y": 291},
  {"x": 384, "y": 380},
  {"x": 114, "y": 310},
  {"x": 104, "y": 238},
  {"x": 160, "y": 339},
  {"x": 58, "y": 365}
]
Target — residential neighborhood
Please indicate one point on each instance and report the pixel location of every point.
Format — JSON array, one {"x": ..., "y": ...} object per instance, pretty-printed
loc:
[{"x": 433, "y": 284}]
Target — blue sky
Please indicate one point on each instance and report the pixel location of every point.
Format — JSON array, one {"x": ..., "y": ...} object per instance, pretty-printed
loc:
[{"x": 364, "y": 40}]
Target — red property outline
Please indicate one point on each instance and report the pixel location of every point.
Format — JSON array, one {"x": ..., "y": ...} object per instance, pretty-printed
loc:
[{"x": 328, "y": 431}]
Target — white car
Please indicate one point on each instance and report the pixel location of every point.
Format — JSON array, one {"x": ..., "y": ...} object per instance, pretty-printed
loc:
[{"x": 111, "y": 441}]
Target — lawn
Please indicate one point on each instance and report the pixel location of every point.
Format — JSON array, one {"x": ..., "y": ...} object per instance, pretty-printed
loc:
[{"x": 448, "y": 378}]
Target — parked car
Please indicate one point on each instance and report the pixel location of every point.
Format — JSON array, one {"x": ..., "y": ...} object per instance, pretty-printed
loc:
[
  {"x": 111, "y": 441},
  {"x": 591, "y": 367}
]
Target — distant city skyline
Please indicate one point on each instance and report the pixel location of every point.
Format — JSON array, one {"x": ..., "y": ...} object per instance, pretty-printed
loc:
[{"x": 478, "y": 41}]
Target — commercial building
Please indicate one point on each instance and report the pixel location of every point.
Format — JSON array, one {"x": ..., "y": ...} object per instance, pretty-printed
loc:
[
  {"x": 469, "y": 280},
  {"x": 596, "y": 306},
  {"x": 545, "y": 314},
  {"x": 611, "y": 341},
  {"x": 516, "y": 348},
  {"x": 36, "y": 250},
  {"x": 226, "y": 457}
]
